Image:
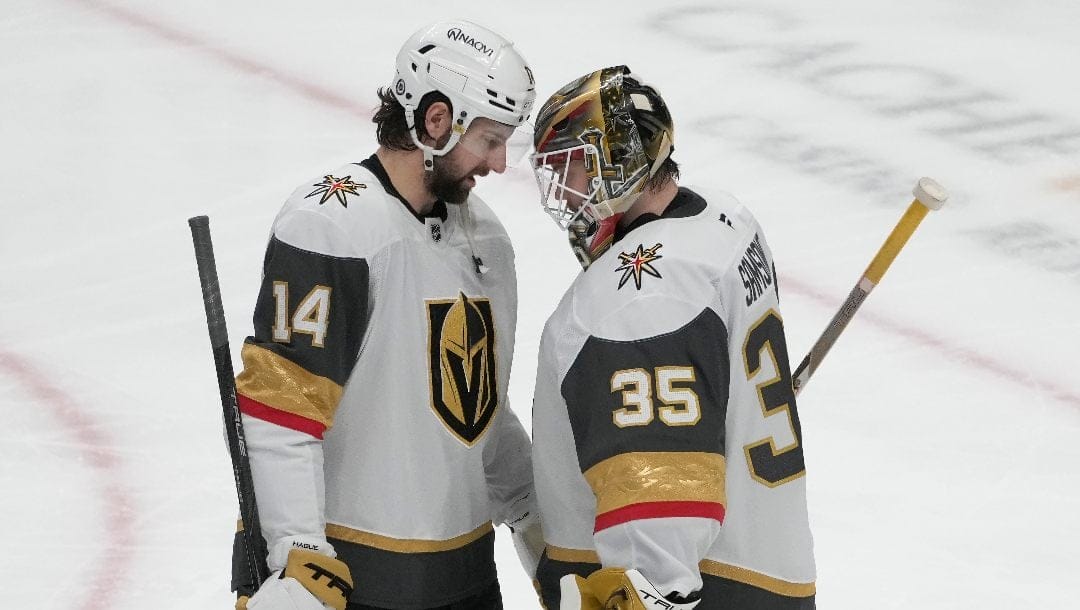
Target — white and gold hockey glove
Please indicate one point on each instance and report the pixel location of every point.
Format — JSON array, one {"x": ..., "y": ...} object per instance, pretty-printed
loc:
[
  {"x": 310, "y": 581},
  {"x": 615, "y": 589}
]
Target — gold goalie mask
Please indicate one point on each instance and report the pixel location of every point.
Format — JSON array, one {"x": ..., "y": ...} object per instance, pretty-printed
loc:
[{"x": 598, "y": 140}]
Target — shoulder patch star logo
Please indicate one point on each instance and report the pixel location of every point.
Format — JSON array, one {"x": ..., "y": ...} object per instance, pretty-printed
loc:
[
  {"x": 637, "y": 263},
  {"x": 337, "y": 188}
]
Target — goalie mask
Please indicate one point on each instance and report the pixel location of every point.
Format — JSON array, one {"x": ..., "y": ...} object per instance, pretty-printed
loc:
[{"x": 598, "y": 140}]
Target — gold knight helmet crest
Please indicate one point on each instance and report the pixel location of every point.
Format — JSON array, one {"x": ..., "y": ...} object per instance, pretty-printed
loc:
[{"x": 462, "y": 365}]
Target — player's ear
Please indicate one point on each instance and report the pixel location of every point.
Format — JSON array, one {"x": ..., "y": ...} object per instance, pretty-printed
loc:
[{"x": 437, "y": 122}]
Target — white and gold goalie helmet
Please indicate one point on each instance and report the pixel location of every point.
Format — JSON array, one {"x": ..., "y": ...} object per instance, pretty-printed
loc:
[{"x": 621, "y": 130}]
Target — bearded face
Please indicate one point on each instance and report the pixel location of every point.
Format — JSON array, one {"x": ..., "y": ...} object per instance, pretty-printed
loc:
[
  {"x": 449, "y": 181},
  {"x": 481, "y": 149}
]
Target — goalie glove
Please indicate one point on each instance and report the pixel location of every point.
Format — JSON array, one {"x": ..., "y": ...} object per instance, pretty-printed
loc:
[
  {"x": 310, "y": 581},
  {"x": 616, "y": 589}
]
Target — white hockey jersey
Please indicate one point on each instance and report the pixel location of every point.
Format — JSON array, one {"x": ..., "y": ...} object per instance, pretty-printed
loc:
[
  {"x": 665, "y": 431},
  {"x": 374, "y": 389}
]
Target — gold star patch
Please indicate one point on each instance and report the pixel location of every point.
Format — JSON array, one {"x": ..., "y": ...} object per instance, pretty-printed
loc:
[
  {"x": 335, "y": 187},
  {"x": 637, "y": 263}
]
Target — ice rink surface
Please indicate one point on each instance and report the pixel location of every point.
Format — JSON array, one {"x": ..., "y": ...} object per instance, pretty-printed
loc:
[{"x": 940, "y": 434}]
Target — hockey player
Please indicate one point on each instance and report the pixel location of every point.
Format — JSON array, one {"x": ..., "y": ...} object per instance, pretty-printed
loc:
[
  {"x": 374, "y": 389},
  {"x": 667, "y": 450}
]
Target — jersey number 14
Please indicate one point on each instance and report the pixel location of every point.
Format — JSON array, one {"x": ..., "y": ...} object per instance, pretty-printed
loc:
[{"x": 312, "y": 315}]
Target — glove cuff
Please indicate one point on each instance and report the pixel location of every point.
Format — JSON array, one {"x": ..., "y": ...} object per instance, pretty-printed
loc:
[
  {"x": 629, "y": 590},
  {"x": 521, "y": 514},
  {"x": 324, "y": 577},
  {"x": 278, "y": 554}
]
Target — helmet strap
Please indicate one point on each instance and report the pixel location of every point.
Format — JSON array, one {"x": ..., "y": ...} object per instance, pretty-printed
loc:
[
  {"x": 662, "y": 154},
  {"x": 429, "y": 158},
  {"x": 430, "y": 152}
]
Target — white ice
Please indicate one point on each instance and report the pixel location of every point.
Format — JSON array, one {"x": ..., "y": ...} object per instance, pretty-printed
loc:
[{"x": 940, "y": 433}]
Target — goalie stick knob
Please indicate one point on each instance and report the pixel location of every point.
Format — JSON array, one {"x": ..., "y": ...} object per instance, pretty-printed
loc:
[{"x": 930, "y": 193}]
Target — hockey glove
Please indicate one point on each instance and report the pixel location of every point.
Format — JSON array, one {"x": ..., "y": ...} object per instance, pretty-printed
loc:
[
  {"x": 528, "y": 540},
  {"x": 529, "y": 544},
  {"x": 310, "y": 581},
  {"x": 574, "y": 594},
  {"x": 616, "y": 589}
]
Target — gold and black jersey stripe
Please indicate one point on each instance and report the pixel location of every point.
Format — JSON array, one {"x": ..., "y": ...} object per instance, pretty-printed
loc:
[
  {"x": 294, "y": 378},
  {"x": 700, "y": 346},
  {"x": 650, "y": 446},
  {"x": 642, "y": 485}
]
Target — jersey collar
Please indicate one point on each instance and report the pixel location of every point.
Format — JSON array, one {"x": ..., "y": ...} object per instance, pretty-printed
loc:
[
  {"x": 685, "y": 204},
  {"x": 373, "y": 165}
]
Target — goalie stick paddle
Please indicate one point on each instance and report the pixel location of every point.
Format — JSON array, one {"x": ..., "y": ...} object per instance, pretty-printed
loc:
[
  {"x": 929, "y": 195},
  {"x": 255, "y": 546}
]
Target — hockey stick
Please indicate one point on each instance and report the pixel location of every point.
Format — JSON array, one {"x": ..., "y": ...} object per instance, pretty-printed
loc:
[
  {"x": 929, "y": 195},
  {"x": 255, "y": 546}
]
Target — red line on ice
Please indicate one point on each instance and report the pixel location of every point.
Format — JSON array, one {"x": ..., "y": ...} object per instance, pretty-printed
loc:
[
  {"x": 329, "y": 98},
  {"x": 250, "y": 66},
  {"x": 95, "y": 448},
  {"x": 964, "y": 355},
  {"x": 181, "y": 38}
]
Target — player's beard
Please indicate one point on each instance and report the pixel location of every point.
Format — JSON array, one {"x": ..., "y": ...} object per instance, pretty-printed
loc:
[{"x": 446, "y": 183}]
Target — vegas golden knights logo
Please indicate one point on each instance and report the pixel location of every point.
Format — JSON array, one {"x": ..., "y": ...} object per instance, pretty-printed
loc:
[{"x": 461, "y": 365}]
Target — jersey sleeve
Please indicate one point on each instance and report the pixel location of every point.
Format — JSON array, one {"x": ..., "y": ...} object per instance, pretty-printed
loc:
[
  {"x": 648, "y": 416},
  {"x": 508, "y": 454},
  {"x": 309, "y": 321},
  {"x": 508, "y": 470}
]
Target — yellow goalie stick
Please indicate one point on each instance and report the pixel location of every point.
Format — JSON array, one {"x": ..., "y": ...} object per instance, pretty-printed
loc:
[{"x": 929, "y": 195}]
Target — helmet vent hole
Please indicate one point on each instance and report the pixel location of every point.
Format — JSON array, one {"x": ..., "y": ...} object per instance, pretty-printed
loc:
[
  {"x": 426, "y": 48},
  {"x": 641, "y": 102}
]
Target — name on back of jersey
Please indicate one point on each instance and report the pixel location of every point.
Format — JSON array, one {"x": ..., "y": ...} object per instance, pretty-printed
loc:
[{"x": 756, "y": 271}]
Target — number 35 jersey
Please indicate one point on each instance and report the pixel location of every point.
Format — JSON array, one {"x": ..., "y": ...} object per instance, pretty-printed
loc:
[{"x": 665, "y": 431}]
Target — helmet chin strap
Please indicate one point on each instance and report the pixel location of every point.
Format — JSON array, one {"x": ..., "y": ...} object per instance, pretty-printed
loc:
[
  {"x": 430, "y": 152},
  {"x": 429, "y": 165}
]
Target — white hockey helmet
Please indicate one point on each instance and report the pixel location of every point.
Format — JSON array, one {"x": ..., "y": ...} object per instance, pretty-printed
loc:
[{"x": 480, "y": 72}]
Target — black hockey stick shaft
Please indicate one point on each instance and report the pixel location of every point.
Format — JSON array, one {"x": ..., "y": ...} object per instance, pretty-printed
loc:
[{"x": 255, "y": 546}]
